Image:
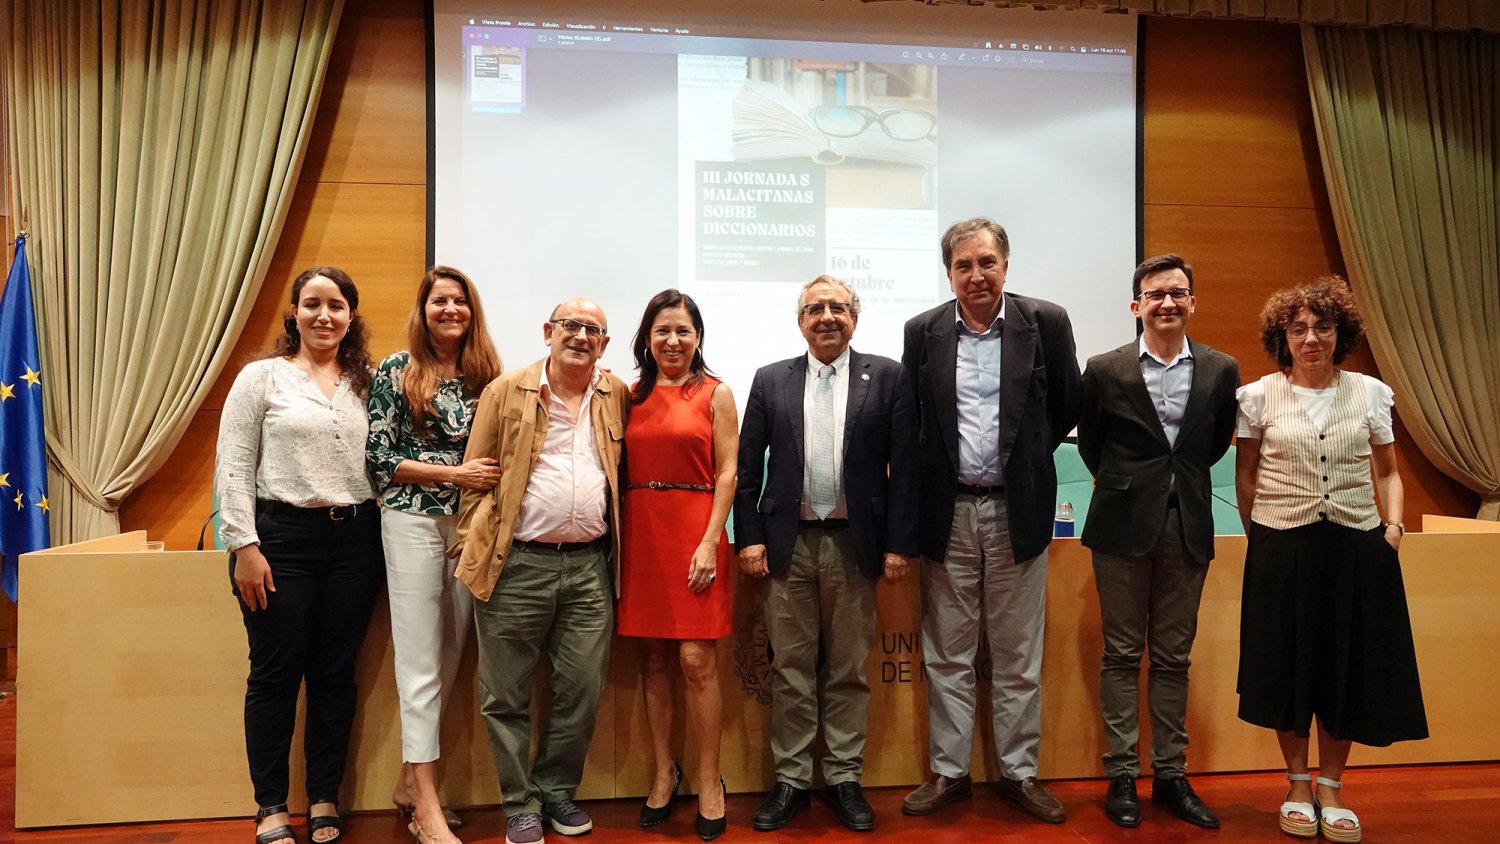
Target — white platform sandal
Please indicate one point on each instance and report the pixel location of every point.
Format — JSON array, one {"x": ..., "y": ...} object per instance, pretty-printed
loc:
[
  {"x": 1329, "y": 816},
  {"x": 1292, "y": 826}
]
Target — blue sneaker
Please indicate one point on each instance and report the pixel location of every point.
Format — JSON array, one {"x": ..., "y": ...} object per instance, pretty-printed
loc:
[
  {"x": 523, "y": 828},
  {"x": 567, "y": 818}
]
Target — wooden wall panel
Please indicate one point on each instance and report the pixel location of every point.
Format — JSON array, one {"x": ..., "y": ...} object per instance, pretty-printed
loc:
[{"x": 1233, "y": 182}]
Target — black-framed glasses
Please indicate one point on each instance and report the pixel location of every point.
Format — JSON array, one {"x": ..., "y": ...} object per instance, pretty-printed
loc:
[
  {"x": 816, "y": 309},
  {"x": 573, "y": 326},
  {"x": 1324, "y": 330},
  {"x": 1156, "y": 297},
  {"x": 901, "y": 124}
]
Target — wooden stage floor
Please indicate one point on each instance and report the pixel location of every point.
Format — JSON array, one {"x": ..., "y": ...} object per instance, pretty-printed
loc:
[{"x": 1410, "y": 805}]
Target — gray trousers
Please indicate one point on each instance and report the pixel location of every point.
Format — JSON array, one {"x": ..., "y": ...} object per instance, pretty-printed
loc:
[
  {"x": 1151, "y": 600},
  {"x": 820, "y": 598},
  {"x": 980, "y": 586},
  {"x": 564, "y": 602}
]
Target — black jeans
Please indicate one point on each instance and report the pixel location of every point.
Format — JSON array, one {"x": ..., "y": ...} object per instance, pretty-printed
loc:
[{"x": 327, "y": 574}]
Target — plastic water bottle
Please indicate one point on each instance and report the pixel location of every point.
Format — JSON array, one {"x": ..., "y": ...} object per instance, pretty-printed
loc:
[{"x": 1062, "y": 523}]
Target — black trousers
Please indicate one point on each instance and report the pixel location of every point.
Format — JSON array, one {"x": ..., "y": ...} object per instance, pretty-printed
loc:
[{"x": 327, "y": 574}]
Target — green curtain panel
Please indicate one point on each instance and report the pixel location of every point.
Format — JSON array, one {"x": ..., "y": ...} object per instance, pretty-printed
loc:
[
  {"x": 1428, "y": 14},
  {"x": 155, "y": 147},
  {"x": 1407, "y": 124}
]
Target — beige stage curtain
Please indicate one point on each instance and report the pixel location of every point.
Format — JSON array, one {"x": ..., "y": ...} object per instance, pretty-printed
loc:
[
  {"x": 155, "y": 147},
  {"x": 1407, "y": 127},
  {"x": 1428, "y": 14}
]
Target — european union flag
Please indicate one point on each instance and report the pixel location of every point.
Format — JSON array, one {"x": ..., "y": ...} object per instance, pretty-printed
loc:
[{"x": 23, "y": 443}]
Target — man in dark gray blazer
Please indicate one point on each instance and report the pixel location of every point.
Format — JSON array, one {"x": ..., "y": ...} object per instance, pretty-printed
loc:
[
  {"x": 1158, "y": 413},
  {"x": 832, "y": 512},
  {"x": 996, "y": 378}
]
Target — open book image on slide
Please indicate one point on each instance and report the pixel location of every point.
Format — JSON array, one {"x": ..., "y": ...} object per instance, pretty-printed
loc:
[{"x": 771, "y": 123}]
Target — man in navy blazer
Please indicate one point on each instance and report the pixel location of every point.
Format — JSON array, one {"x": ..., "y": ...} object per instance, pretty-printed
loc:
[
  {"x": 1158, "y": 413},
  {"x": 997, "y": 385},
  {"x": 833, "y": 510}
]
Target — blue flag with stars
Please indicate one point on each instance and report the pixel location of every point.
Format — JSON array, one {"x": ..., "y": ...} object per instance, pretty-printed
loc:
[{"x": 23, "y": 443}]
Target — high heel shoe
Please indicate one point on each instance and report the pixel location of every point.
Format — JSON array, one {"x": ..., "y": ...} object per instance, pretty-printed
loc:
[
  {"x": 422, "y": 837},
  {"x": 407, "y": 808},
  {"x": 710, "y": 828},
  {"x": 653, "y": 815}
]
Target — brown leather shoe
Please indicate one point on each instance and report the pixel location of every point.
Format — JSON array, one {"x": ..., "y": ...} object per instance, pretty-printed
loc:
[
  {"x": 1034, "y": 797},
  {"x": 934, "y": 794}
]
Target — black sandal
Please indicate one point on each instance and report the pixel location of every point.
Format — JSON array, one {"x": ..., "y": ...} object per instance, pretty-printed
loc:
[
  {"x": 321, "y": 822},
  {"x": 271, "y": 836}
]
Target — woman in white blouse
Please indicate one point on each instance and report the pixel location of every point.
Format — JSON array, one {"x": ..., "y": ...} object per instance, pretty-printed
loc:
[
  {"x": 1324, "y": 629},
  {"x": 303, "y": 531}
]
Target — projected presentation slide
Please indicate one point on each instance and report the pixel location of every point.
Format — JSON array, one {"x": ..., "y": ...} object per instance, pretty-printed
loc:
[{"x": 617, "y": 158}]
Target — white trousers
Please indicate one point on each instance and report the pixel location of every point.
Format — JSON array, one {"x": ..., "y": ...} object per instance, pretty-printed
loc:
[
  {"x": 432, "y": 614},
  {"x": 982, "y": 587}
]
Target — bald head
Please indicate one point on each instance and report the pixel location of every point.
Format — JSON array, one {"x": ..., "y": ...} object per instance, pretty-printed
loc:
[{"x": 576, "y": 337}]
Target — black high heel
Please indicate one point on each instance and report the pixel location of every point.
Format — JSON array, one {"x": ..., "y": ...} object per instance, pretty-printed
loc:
[
  {"x": 653, "y": 815},
  {"x": 710, "y": 828}
]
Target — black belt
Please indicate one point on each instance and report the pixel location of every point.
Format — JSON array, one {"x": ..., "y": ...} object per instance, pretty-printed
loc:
[
  {"x": 336, "y": 513},
  {"x": 826, "y": 524},
  {"x": 981, "y": 491},
  {"x": 561, "y": 547},
  {"x": 670, "y": 485}
]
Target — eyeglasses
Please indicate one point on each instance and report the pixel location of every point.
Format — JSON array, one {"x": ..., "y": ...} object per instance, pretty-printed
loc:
[
  {"x": 901, "y": 124},
  {"x": 1155, "y": 297},
  {"x": 1324, "y": 330},
  {"x": 573, "y": 326},
  {"x": 816, "y": 309}
]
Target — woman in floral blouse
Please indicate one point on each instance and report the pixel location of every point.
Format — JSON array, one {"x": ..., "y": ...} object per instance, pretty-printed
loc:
[{"x": 421, "y": 407}]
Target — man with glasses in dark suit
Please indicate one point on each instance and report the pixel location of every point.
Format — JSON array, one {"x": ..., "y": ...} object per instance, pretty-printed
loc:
[{"x": 1158, "y": 413}]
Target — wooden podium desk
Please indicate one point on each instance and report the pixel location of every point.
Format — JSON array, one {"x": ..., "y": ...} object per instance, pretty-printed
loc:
[{"x": 130, "y": 698}]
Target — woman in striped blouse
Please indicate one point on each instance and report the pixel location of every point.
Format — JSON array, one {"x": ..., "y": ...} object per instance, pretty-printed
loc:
[{"x": 1324, "y": 629}]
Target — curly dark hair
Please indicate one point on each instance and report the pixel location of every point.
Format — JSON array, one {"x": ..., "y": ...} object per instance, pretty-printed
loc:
[
  {"x": 1330, "y": 298},
  {"x": 354, "y": 353}
]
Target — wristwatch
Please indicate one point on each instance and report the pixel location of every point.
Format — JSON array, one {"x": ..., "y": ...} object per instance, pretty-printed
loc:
[{"x": 1397, "y": 525}]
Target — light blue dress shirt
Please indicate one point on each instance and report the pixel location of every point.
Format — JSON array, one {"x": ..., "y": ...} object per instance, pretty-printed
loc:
[
  {"x": 1168, "y": 382},
  {"x": 978, "y": 387}
]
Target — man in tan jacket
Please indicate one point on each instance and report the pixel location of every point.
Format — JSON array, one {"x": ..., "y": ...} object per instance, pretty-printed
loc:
[{"x": 536, "y": 552}]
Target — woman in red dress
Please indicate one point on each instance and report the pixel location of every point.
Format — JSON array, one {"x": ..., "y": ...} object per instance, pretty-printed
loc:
[{"x": 680, "y": 453}]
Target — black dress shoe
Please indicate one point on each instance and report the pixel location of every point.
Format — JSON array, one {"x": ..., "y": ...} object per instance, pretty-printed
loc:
[
  {"x": 653, "y": 815},
  {"x": 783, "y": 802},
  {"x": 710, "y": 828},
  {"x": 1178, "y": 796},
  {"x": 849, "y": 803},
  {"x": 1121, "y": 804}
]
